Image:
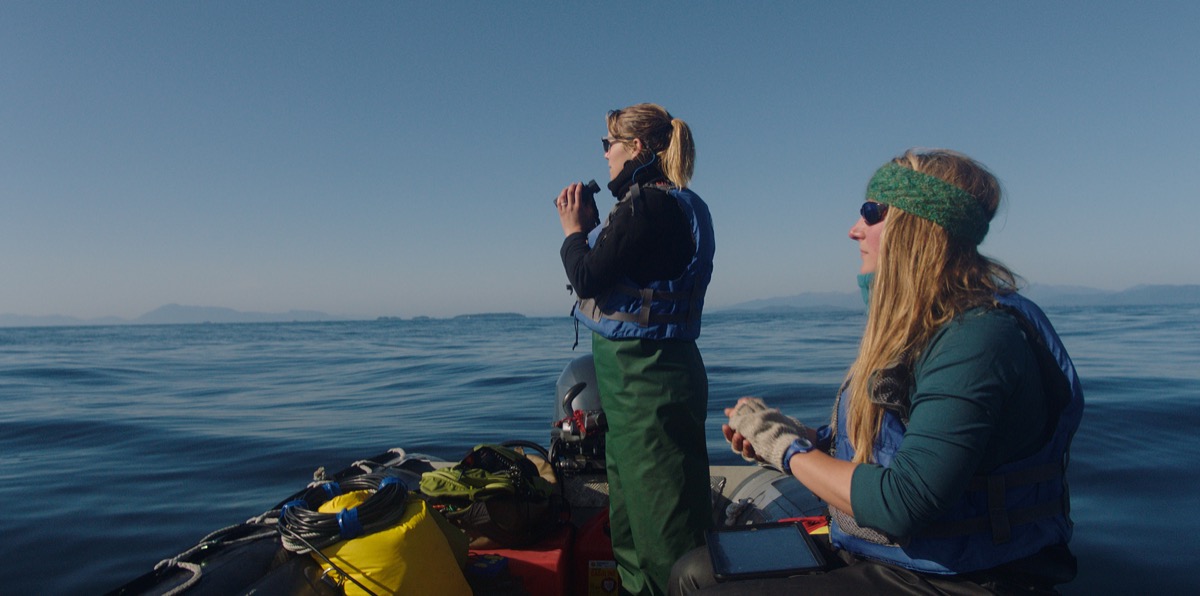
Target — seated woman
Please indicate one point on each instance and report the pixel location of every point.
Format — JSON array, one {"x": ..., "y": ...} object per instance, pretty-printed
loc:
[{"x": 944, "y": 464}]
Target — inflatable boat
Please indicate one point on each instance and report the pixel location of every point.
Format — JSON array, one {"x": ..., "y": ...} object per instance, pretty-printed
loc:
[{"x": 274, "y": 553}]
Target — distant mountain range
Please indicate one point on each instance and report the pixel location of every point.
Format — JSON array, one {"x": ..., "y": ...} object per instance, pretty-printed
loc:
[
  {"x": 173, "y": 314},
  {"x": 1045, "y": 295},
  {"x": 805, "y": 301}
]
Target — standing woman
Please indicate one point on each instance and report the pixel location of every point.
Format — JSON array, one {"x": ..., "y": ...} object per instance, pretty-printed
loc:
[
  {"x": 944, "y": 466},
  {"x": 640, "y": 279}
]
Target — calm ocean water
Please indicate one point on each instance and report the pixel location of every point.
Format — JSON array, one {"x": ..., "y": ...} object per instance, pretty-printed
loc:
[{"x": 121, "y": 446}]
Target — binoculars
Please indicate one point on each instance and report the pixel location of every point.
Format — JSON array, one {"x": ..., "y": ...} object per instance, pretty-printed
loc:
[{"x": 589, "y": 197}]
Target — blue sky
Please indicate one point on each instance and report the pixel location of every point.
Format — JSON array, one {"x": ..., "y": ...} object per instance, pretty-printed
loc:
[{"x": 373, "y": 158}]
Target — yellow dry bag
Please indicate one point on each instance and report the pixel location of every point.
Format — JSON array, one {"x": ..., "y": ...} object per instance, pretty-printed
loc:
[{"x": 411, "y": 557}]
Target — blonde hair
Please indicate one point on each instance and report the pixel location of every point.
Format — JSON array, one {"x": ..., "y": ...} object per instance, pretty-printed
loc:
[
  {"x": 923, "y": 280},
  {"x": 662, "y": 135}
]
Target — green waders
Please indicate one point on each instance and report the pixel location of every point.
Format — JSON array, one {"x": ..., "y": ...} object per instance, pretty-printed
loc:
[{"x": 655, "y": 396}]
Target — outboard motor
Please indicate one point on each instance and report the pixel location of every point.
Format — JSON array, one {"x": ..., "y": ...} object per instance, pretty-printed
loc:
[{"x": 577, "y": 438}]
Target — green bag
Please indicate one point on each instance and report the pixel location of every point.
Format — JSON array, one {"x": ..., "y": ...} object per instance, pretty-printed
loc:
[{"x": 496, "y": 496}]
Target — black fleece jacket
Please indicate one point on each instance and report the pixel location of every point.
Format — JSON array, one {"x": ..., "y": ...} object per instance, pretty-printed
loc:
[{"x": 646, "y": 239}]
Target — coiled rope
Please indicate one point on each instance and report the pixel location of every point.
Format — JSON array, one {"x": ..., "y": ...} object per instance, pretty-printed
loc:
[{"x": 304, "y": 530}]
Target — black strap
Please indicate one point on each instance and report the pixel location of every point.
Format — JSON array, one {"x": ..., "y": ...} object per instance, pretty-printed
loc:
[
  {"x": 989, "y": 522},
  {"x": 999, "y": 520}
]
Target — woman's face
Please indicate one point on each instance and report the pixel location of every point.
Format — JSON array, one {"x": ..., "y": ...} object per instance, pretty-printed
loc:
[
  {"x": 868, "y": 237},
  {"x": 619, "y": 152}
]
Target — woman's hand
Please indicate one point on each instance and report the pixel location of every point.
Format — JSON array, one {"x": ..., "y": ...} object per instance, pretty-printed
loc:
[
  {"x": 575, "y": 212},
  {"x": 770, "y": 431},
  {"x": 737, "y": 442},
  {"x": 828, "y": 478}
]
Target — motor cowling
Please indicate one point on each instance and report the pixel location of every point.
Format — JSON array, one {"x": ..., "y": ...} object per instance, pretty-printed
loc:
[{"x": 577, "y": 437}]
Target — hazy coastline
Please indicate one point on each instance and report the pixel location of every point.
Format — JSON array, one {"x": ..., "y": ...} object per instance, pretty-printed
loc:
[{"x": 1045, "y": 295}]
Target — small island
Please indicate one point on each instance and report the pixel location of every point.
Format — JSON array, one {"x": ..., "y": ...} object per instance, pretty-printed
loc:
[{"x": 492, "y": 316}]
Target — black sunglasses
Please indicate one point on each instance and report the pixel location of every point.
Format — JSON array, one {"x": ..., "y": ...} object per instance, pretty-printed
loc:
[
  {"x": 873, "y": 212},
  {"x": 607, "y": 142}
]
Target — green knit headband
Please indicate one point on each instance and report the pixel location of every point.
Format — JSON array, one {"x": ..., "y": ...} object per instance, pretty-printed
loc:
[{"x": 931, "y": 198}]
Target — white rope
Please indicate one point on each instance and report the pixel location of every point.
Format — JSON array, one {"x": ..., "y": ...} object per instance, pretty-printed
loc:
[
  {"x": 195, "y": 569},
  {"x": 191, "y": 567}
]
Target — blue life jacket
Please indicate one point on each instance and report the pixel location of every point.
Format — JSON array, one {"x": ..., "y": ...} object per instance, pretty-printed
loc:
[
  {"x": 662, "y": 309},
  {"x": 1012, "y": 512}
]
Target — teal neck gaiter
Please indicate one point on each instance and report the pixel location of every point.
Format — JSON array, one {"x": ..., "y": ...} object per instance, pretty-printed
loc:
[{"x": 864, "y": 286}]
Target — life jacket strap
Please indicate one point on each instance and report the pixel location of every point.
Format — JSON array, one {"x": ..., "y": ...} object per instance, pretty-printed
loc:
[
  {"x": 646, "y": 294},
  {"x": 1043, "y": 473},
  {"x": 644, "y": 317},
  {"x": 999, "y": 520},
  {"x": 999, "y": 525}
]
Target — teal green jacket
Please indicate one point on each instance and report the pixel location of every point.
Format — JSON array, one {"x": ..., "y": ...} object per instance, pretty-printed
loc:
[{"x": 978, "y": 402}]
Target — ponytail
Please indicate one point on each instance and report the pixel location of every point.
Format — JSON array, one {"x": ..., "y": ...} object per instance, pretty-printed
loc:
[{"x": 679, "y": 158}]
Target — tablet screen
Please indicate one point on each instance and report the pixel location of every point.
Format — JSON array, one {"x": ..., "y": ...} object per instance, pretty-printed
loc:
[{"x": 767, "y": 550}]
